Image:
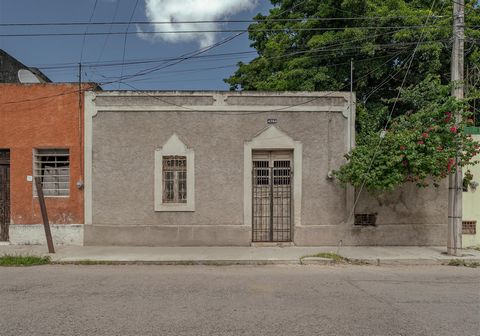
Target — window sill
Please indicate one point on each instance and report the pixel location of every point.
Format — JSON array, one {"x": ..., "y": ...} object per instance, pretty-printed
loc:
[{"x": 164, "y": 207}]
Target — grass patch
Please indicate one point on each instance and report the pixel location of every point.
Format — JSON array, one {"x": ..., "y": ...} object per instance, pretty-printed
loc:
[
  {"x": 338, "y": 259},
  {"x": 327, "y": 255},
  {"x": 330, "y": 255},
  {"x": 465, "y": 263},
  {"x": 12, "y": 260}
]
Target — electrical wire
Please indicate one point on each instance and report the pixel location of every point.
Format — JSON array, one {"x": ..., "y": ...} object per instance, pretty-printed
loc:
[
  {"x": 113, "y": 22},
  {"x": 329, "y": 46},
  {"x": 125, "y": 40},
  {"x": 86, "y": 29},
  {"x": 168, "y": 32},
  {"x": 115, "y": 12},
  {"x": 193, "y": 54},
  {"x": 151, "y": 70},
  {"x": 184, "y": 57}
]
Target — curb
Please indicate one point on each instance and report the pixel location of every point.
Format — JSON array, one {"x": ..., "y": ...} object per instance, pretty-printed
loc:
[
  {"x": 410, "y": 262},
  {"x": 176, "y": 262},
  {"x": 248, "y": 262},
  {"x": 317, "y": 261}
]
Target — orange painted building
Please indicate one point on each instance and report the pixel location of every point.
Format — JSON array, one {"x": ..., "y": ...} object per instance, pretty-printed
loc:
[{"x": 41, "y": 134}]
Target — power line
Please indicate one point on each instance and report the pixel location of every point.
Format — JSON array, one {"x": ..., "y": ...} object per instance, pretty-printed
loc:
[
  {"x": 115, "y": 12},
  {"x": 266, "y": 111},
  {"x": 233, "y": 65},
  {"x": 272, "y": 30},
  {"x": 76, "y": 91},
  {"x": 137, "y": 61},
  {"x": 233, "y": 55},
  {"x": 195, "y": 53},
  {"x": 125, "y": 39},
  {"x": 293, "y": 53},
  {"x": 28, "y": 24},
  {"x": 185, "y": 56},
  {"x": 182, "y": 59},
  {"x": 86, "y": 29}
]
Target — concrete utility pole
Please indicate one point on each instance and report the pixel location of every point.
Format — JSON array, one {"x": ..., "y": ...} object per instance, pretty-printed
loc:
[{"x": 455, "y": 187}]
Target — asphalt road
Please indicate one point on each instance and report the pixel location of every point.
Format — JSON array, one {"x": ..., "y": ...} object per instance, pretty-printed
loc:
[{"x": 272, "y": 300}]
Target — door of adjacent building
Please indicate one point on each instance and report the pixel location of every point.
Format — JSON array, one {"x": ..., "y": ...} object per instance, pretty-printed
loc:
[
  {"x": 4, "y": 193},
  {"x": 272, "y": 196}
]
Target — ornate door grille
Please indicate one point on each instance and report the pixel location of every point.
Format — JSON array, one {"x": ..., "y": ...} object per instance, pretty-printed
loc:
[
  {"x": 4, "y": 193},
  {"x": 272, "y": 197}
]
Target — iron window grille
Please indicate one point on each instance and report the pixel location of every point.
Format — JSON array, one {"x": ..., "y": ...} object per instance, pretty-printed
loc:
[
  {"x": 174, "y": 179},
  {"x": 53, "y": 168}
]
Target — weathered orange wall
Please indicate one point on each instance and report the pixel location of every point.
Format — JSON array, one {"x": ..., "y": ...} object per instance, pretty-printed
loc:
[{"x": 42, "y": 116}]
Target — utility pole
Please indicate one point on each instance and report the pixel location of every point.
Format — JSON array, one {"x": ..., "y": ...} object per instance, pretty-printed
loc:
[
  {"x": 350, "y": 113},
  {"x": 455, "y": 187}
]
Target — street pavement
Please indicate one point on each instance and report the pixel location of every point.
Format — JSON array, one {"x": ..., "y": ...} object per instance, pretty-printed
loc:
[{"x": 239, "y": 300}]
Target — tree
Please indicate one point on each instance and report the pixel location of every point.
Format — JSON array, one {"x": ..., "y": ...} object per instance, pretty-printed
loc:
[{"x": 307, "y": 45}]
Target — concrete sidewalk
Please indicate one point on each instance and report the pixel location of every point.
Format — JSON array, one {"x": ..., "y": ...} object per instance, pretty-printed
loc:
[{"x": 378, "y": 255}]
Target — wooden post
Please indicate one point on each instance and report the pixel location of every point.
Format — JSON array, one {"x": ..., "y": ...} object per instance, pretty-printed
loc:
[{"x": 43, "y": 208}]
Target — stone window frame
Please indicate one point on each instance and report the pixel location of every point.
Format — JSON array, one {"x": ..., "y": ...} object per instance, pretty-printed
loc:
[{"x": 174, "y": 147}]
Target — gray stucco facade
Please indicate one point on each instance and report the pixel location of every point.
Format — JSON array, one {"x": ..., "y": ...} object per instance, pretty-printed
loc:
[{"x": 126, "y": 132}]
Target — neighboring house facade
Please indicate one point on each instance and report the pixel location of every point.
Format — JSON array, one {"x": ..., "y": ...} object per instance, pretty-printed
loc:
[
  {"x": 236, "y": 168},
  {"x": 471, "y": 201},
  {"x": 13, "y": 71},
  {"x": 41, "y": 134}
]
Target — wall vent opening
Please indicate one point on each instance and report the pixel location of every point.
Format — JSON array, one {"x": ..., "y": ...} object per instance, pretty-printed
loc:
[
  {"x": 469, "y": 227},
  {"x": 366, "y": 219}
]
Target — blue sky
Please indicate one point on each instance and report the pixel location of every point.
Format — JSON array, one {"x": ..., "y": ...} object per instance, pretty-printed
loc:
[{"x": 51, "y": 52}]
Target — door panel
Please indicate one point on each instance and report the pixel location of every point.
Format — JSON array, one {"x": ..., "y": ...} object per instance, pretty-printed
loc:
[
  {"x": 4, "y": 194},
  {"x": 271, "y": 197}
]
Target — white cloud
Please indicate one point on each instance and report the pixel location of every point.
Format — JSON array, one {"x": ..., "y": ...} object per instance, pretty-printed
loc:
[{"x": 192, "y": 10}]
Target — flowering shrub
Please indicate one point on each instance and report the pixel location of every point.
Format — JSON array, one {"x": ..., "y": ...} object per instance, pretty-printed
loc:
[{"x": 418, "y": 147}]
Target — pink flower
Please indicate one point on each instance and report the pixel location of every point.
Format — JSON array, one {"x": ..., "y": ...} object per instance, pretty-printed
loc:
[
  {"x": 425, "y": 135},
  {"x": 420, "y": 142},
  {"x": 453, "y": 129},
  {"x": 448, "y": 117},
  {"x": 450, "y": 164}
]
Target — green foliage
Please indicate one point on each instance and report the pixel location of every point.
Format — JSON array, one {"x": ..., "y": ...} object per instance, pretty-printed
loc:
[
  {"x": 13, "y": 260},
  {"x": 419, "y": 146},
  {"x": 314, "y": 55},
  {"x": 379, "y": 35}
]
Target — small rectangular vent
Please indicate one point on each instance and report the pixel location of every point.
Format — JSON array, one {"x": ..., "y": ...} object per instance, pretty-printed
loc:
[
  {"x": 469, "y": 227},
  {"x": 369, "y": 219}
]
